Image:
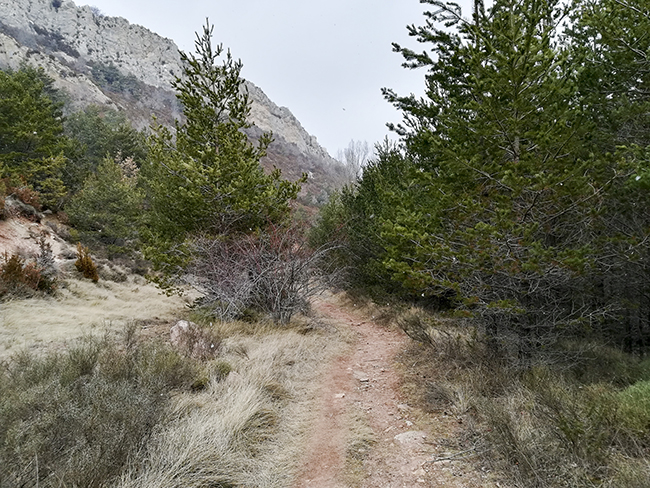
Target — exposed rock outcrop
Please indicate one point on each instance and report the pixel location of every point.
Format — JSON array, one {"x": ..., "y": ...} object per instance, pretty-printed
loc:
[
  {"x": 77, "y": 34},
  {"x": 108, "y": 61},
  {"x": 12, "y": 54}
]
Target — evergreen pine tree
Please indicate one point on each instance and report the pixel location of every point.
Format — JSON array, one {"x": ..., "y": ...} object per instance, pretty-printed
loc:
[
  {"x": 32, "y": 145},
  {"x": 206, "y": 177}
]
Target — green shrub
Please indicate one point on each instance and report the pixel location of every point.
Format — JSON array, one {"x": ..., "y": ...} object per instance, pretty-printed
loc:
[
  {"x": 46, "y": 267},
  {"x": 635, "y": 407},
  {"x": 108, "y": 207},
  {"x": 98, "y": 133},
  {"x": 109, "y": 77},
  {"x": 593, "y": 363},
  {"x": 82, "y": 415},
  {"x": 34, "y": 147}
]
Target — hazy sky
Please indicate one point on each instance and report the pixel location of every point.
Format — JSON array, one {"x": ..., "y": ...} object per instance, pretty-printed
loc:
[{"x": 326, "y": 61}]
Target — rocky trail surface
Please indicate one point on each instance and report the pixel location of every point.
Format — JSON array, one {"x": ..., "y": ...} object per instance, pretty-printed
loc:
[{"x": 361, "y": 389}]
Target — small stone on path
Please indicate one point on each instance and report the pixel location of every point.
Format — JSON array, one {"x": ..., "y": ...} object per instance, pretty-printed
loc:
[
  {"x": 362, "y": 377},
  {"x": 410, "y": 437}
]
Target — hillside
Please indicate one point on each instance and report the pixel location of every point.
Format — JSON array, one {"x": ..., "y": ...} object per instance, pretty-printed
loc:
[{"x": 106, "y": 61}]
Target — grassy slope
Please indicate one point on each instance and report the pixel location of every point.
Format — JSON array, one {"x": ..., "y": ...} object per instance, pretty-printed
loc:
[
  {"x": 80, "y": 307},
  {"x": 582, "y": 420},
  {"x": 244, "y": 428}
]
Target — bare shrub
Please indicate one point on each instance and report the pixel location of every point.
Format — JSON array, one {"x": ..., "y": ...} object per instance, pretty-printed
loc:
[
  {"x": 12, "y": 272},
  {"x": 274, "y": 271},
  {"x": 46, "y": 265},
  {"x": 354, "y": 159},
  {"x": 195, "y": 341},
  {"x": 27, "y": 195},
  {"x": 17, "y": 186},
  {"x": 20, "y": 277},
  {"x": 416, "y": 325},
  {"x": 23, "y": 277}
]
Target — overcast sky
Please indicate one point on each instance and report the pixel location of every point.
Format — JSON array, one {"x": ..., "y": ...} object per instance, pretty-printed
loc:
[{"x": 326, "y": 61}]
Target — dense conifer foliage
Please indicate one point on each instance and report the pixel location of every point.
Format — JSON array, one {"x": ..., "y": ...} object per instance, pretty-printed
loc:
[
  {"x": 515, "y": 192},
  {"x": 108, "y": 207},
  {"x": 98, "y": 133},
  {"x": 32, "y": 145},
  {"x": 49, "y": 154},
  {"x": 206, "y": 178}
]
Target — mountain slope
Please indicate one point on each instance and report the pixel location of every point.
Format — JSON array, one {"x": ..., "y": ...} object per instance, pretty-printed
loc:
[{"x": 108, "y": 61}]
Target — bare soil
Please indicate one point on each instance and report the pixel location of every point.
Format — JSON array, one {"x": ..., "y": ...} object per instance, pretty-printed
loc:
[{"x": 364, "y": 385}]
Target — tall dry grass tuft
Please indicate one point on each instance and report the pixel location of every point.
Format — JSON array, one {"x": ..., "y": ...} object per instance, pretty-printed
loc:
[
  {"x": 246, "y": 429},
  {"x": 78, "y": 417}
]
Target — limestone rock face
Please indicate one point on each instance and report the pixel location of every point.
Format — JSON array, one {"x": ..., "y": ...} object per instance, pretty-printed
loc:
[
  {"x": 68, "y": 41},
  {"x": 279, "y": 120},
  {"x": 77, "y": 32},
  {"x": 73, "y": 82}
]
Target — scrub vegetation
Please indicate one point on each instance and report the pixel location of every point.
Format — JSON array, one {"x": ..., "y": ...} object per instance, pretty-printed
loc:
[
  {"x": 509, "y": 215},
  {"x": 507, "y": 226},
  {"x": 121, "y": 409}
]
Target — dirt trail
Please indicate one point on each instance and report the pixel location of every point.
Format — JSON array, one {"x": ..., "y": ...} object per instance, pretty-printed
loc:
[{"x": 365, "y": 380}]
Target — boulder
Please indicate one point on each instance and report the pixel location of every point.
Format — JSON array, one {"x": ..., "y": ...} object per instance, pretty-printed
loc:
[
  {"x": 179, "y": 332},
  {"x": 16, "y": 207}
]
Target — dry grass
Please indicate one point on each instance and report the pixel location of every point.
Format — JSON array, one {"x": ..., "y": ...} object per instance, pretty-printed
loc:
[
  {"x": 80, "y": 307},
  {"x": 77, "y": 417},
  {"x": 243, "y": 420},
  {"x": 248, "y": 429},
  {"x": 360, "y": 441},
  {"x": 240, "y": 420},
  {"x": 566, "y": 424}
]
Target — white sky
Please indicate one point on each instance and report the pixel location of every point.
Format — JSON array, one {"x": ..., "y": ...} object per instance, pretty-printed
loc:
[{"x": 326, "y": 61}]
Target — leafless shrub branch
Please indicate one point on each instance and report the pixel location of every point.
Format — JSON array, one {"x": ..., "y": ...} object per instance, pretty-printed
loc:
[{"x": 274, "y": 271}]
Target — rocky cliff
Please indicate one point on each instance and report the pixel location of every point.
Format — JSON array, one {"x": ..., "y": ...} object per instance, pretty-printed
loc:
[{"x": 108, "y": 61}]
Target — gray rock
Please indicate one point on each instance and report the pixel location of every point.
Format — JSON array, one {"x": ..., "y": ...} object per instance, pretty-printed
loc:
[
  {"x": 179, "y": 332},
  {"x": 411, "y": 437},
  {"x": 83, "y": 37},
  {"x": 14, "y": 206},
  {"x": 361, "y": 376}
]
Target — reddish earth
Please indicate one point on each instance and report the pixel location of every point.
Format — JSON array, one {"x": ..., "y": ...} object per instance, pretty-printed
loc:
[{"x": 407, "y": 451}]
